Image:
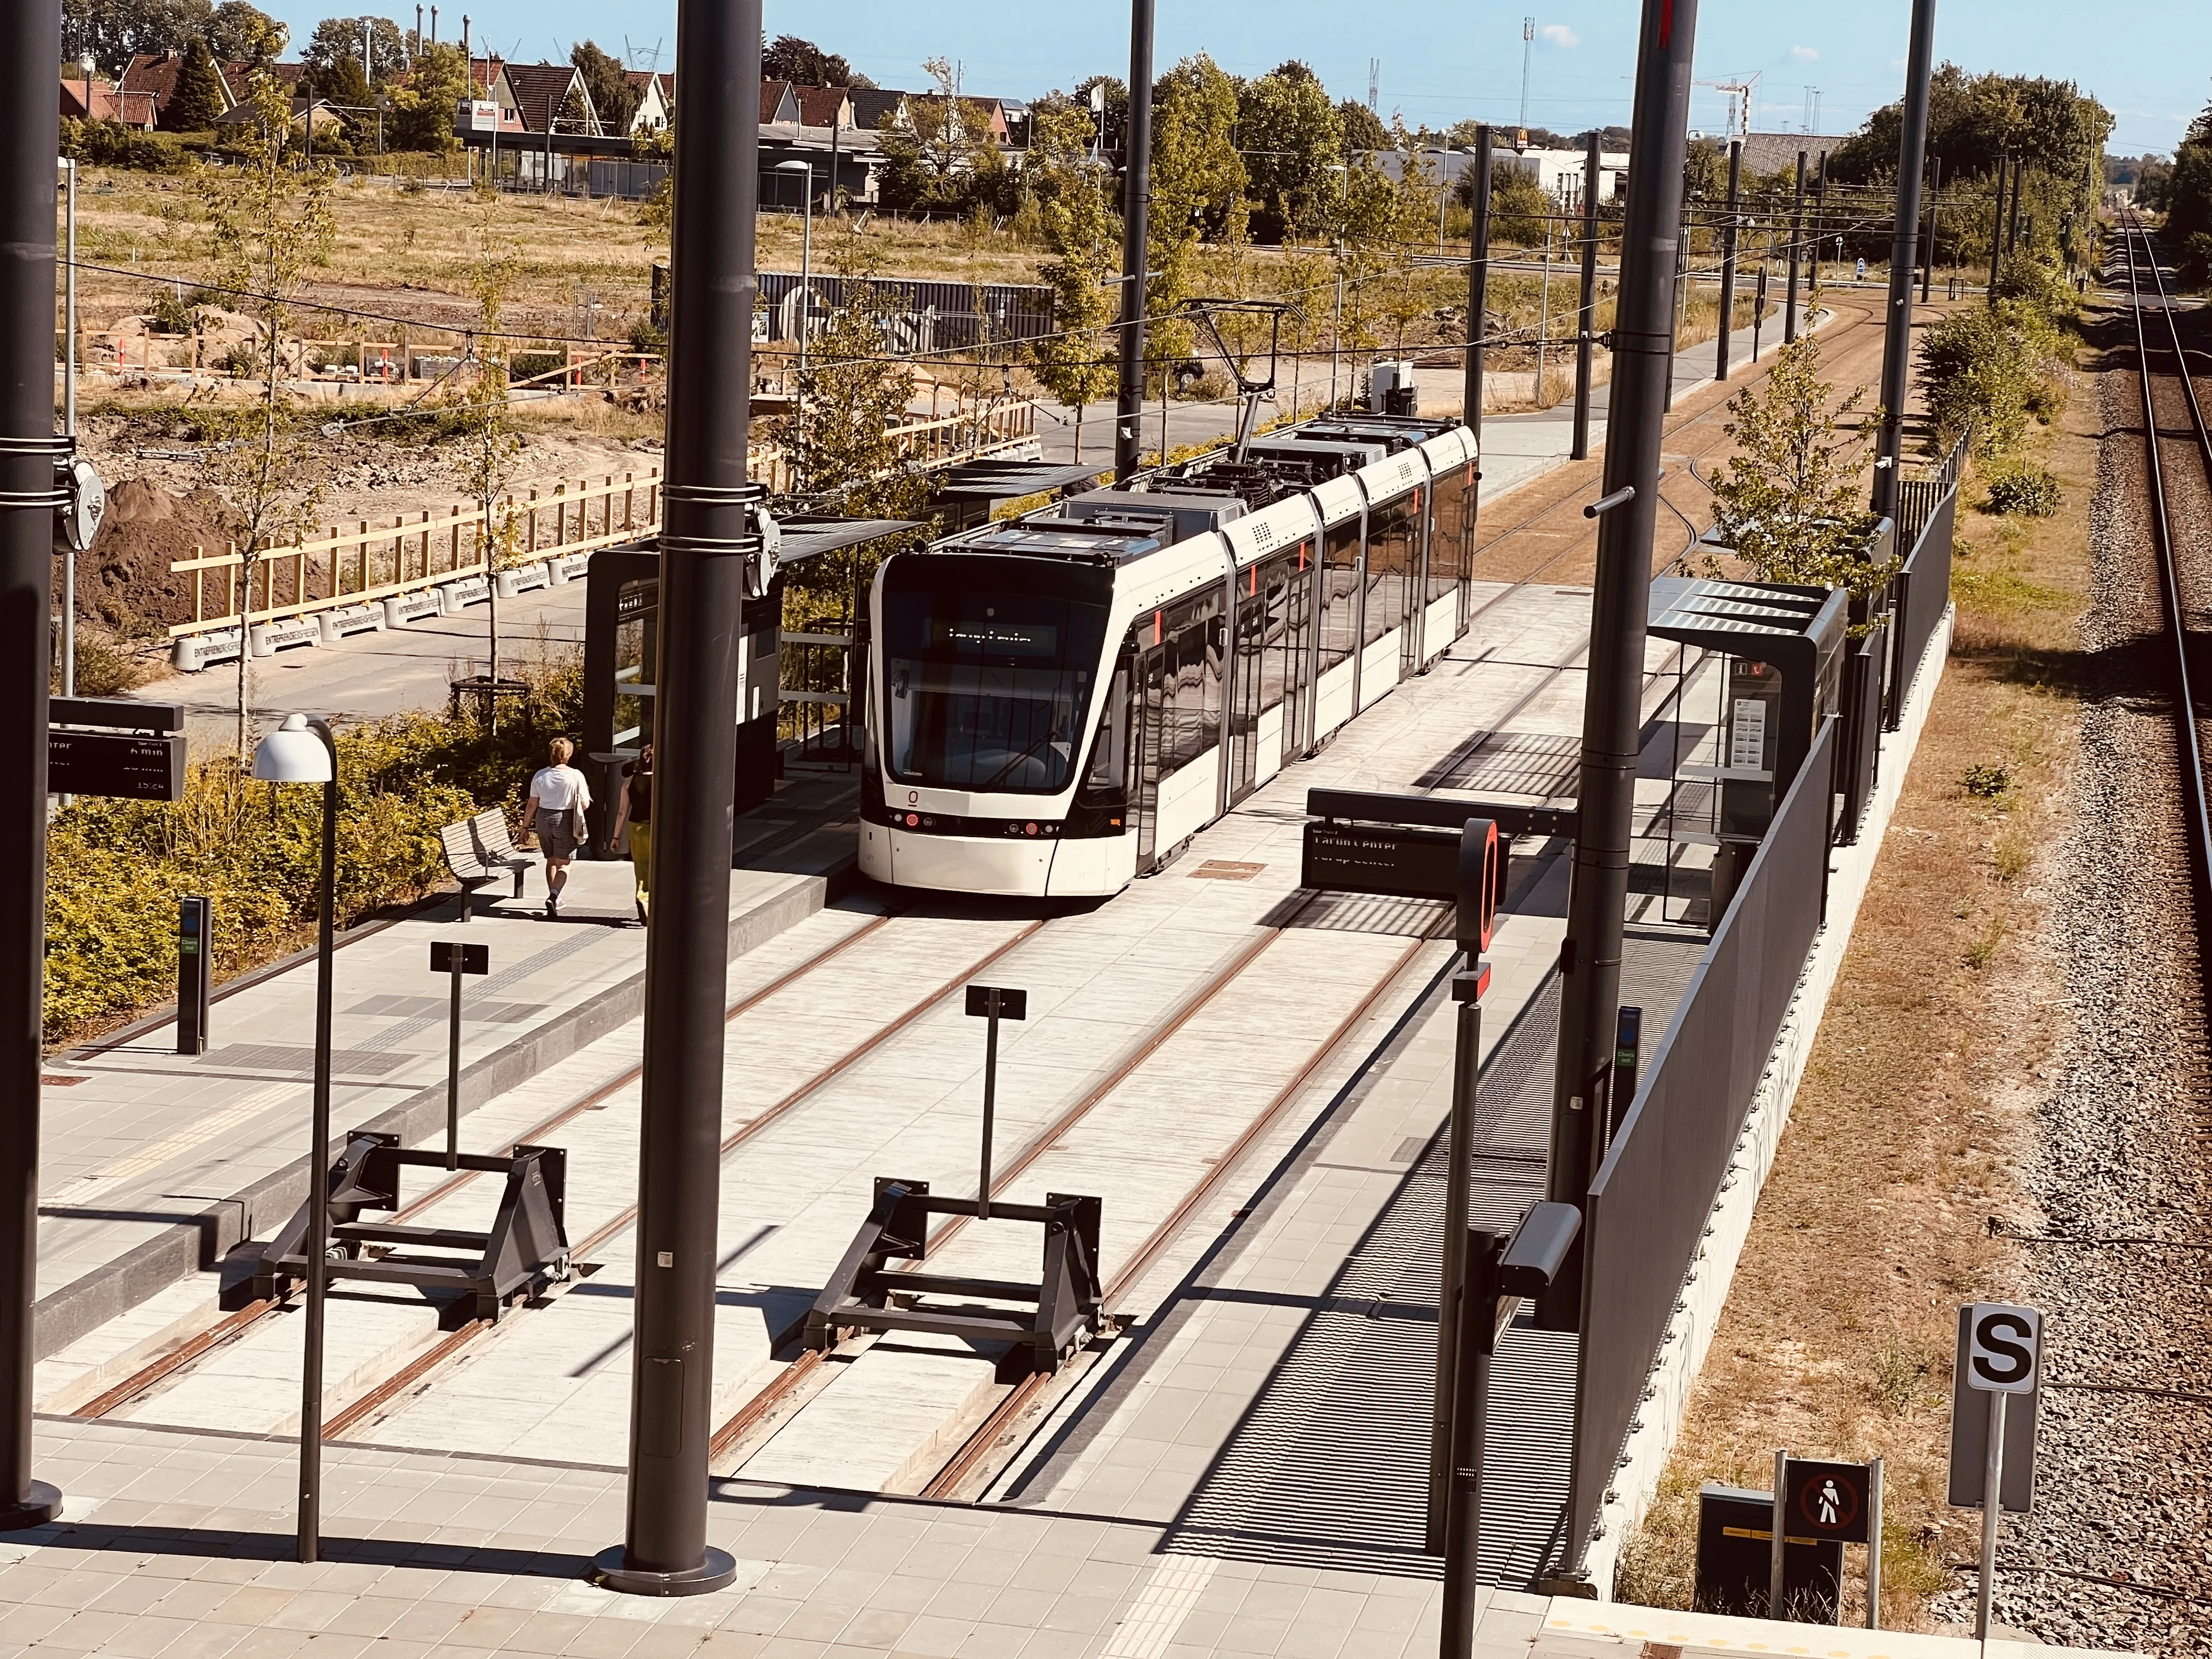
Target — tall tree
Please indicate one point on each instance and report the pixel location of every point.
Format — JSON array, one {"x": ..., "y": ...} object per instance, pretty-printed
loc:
[
  {"x": 269, "y": 224},
  {"x": 612, "y": 95},
  {"x": 240, "y": 33},
  {"x": 198, "y": 101},
  {"x": 1363, "y": 127},
  {"x": 788, "y": 58},
  {"x": 1197, "y": 191},
  {"x": 338, "y": 40},
  {"x": 1291, "y": 135},
  {"x": 422, "y": 110},
  {"x": 112, "y": 32}
]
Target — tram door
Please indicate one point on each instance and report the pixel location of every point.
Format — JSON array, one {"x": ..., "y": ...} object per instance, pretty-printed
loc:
[{"x": 1148, "y": 748}]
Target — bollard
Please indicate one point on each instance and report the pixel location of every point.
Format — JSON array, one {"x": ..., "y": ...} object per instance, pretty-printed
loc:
[{"x": 195, "y": 948}]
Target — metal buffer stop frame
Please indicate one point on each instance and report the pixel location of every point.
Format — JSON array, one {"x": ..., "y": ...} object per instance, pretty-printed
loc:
[{"x": 1054, "y": 1318}]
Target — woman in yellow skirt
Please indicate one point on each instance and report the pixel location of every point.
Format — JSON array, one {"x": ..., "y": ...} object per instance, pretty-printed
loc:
[{"x": 635, "y": 811}]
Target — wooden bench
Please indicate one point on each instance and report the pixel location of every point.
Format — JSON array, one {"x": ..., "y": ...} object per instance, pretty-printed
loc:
[{"x": 479, "y": 851}]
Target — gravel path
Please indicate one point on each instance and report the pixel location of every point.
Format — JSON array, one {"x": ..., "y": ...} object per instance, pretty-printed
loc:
[{"x": 2124, "y": 1477}]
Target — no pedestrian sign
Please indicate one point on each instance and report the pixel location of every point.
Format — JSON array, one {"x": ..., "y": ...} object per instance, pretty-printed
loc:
[{"x": 1829, "y": 1500}]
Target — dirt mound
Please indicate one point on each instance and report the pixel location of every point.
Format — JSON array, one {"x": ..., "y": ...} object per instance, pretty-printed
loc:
[{"x": 125, "y": 581}]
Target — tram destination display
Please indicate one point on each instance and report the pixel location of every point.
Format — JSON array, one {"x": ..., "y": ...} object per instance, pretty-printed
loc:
[
  {"x": 1383, "y": 858},
  {"x": 138, "y": 755}
]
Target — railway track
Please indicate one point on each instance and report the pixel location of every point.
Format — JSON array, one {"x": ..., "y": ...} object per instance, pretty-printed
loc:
[{"x": 2178, "y": 463}]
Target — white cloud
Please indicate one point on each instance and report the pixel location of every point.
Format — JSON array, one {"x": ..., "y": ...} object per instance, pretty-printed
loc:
[
  {"x": 1803, "y": 54},
  {"x": 1559, "y": 34}
]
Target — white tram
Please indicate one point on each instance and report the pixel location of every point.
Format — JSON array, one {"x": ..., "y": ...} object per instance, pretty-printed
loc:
[{"x": 1057, "y": 703}]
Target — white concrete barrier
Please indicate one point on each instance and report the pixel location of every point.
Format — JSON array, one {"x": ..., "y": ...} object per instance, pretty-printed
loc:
[
  {"x": 349, "y": 619},
  {"x": 455, "y": 597},
  {"x": 196, "y": 651},
  {"x": 267, "y": 639},
  {"x": 524, "y": 578},
  {"x": 403, "y": 608},
  {"x": 567, "y": 568}
]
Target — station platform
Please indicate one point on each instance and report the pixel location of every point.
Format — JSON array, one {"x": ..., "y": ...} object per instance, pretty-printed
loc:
[{"x": 155, "y": 1165}]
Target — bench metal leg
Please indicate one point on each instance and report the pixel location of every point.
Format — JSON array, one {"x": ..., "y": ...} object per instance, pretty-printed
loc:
[{"x": 520, "y": 871}]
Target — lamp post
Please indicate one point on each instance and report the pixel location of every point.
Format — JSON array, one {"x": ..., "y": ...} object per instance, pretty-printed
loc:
[
  {"x": 805, "y": 296},
  {"x": 296, "y": 754}
]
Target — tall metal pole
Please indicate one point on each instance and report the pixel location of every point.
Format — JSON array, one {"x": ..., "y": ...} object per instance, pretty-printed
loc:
[
  {"x": 1904, "y": 255},
  {"x": 708, "y": 537},
  {"x": 1467, "y": 1065},
  {"x": 1590, "y": 958},
  {"x": 69, "y": 414},
  {"x": 1996, "y": 232},
  {"x": 319, "y": 1185},
  {"x": 2012, "y": 231},
  {"x": 1478, "y": 284},
  {"x": 1728, "y": 260},
  {"x": 1136, "y": 211},
  {"x": 1585, "y": 328},
  {"x": 1682, "y": 299},
  {"x": 1475, "y": 1334},
  {"x": 1928, "y": 248},
  {"x": 30, "y": 135},
  {"x": 1796, "y": 247}
]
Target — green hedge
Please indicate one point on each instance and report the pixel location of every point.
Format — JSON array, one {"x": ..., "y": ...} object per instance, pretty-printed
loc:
[{"x": 115, "y": 869}]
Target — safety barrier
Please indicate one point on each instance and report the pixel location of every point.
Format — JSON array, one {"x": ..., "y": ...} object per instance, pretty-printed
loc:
[
  {"x": 1672, "y": 1153},
  {"x": 1922, "y": 594}
]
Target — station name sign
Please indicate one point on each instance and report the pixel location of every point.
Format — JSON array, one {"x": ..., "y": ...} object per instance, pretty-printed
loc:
[{"x": 1383, "y": 858}]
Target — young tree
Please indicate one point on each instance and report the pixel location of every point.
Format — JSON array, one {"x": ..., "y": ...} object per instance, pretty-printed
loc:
[
  {"x": 269, "y": 223},
  {"x": 1075, "y": 362},
  {"x": 199, "y": 102},
  {"x": 422, "y": 110},
  {"x": 612, "y": 95},
  {"x": 490, "y": 447},
  {"x": 1789, "y": 503},
  {"x": 1198, "y": 191}
]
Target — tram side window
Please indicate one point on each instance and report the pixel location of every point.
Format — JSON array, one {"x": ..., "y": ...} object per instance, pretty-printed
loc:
[
  {"x": 1109, "y": 749},
  {"x": 1340, "y": 596},
  {"x": 1451, "y": 530},
  {"x": 1284, "y": 584},
  {"x": 1394, "y": 548},
  {"x": 1195, "y": 635}
]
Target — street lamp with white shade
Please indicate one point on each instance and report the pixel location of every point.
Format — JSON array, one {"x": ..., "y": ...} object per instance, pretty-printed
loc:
[
  {"x": 805, "y": 288},
  {"x": 300, "y": 752}
]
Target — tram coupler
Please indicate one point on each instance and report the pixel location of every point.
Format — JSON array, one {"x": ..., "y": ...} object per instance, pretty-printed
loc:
[
  {"x": 1060, "y": 1315},
  {"x": 525, "y": 1248}
]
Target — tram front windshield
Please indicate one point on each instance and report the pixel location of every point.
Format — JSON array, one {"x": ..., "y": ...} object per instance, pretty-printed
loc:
[{"x": 988, "y": 668}]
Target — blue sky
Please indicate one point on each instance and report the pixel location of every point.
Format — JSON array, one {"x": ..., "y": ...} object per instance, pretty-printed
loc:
[{"x": 1442, "y": 62}]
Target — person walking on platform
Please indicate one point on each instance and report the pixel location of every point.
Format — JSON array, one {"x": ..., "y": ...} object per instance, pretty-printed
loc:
[
  {"x": 635, "y": 811},
  {"x": 559, "y": 796}
]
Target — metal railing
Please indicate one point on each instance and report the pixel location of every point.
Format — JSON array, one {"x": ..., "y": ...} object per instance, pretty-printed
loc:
[
  {"x": 1918, "y": 499},
  {"x": 1921, "y": 593},
  {"x": 1652, "y": 1198}
]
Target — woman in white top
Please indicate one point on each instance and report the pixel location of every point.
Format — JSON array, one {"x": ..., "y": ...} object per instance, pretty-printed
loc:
[{"x": 559, "y": 796}]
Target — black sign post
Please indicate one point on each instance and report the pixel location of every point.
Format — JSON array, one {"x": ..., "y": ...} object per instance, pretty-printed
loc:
[
  {"x": 992, "y": 1003},
  {"x": 195, "y": 968},
  {"x": 455, "y": 960}
]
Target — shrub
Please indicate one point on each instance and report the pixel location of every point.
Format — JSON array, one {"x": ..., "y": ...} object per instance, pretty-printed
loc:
[
  {"x": 115, "y": 869},
  {"x": 1985, "y": 782},
  {"x": 112, "y": 144},
  {"x": 528, "y": 365},
  {"x": 2030, "y": 491}
]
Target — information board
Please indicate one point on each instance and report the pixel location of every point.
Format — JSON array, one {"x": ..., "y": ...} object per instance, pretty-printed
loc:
[{"x": 129, "y": 766}]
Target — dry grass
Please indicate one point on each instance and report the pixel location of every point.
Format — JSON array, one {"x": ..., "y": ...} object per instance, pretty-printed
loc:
[{"x": 1905, "y": 1141}]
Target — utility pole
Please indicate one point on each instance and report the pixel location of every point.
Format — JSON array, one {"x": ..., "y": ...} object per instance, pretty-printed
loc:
[
  {"x": 1590, "y": 956},
  {"x": 28, "y": 450},
  {"x": 1136, "y": 208},
  {"x": 709, "y": 537},
  {"x": 2019, "y": 179},
  {"x": 1728, "y": 259},
  {"x": 1996, "y": 232},
  {"x": 1796, "y": 243},
  {"x": 1584, "y": 340},
  {"x": 1904, "y": 255},
  {"x": 1478, "y": 284},
  {"x": 1928, "y": 251}
]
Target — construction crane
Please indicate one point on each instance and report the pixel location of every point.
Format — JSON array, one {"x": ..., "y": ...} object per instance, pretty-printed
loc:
[{"x": 1740, "y": 96}]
